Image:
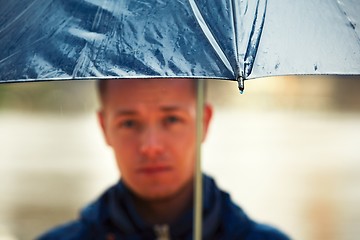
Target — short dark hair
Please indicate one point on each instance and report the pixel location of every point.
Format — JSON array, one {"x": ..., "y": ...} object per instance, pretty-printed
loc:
[
  {"x": 101, "y": 88},
  {"x": 101, "y": 85}
]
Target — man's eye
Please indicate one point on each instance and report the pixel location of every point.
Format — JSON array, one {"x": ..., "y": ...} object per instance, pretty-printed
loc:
[
  {"x": 172, "y": 119},
  {"x": 128, "y": 124}
]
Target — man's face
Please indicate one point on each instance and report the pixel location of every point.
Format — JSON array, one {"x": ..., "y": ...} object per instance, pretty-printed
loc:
[{"x": 150, "y": 124}]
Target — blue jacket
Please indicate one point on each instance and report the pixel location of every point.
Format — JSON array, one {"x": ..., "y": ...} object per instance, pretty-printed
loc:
[{"x": 113, "y": 217}]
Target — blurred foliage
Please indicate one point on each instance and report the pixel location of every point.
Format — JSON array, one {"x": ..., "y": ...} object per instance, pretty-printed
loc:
[
  {"x": 310, "y": 93},
  {"x": 56, "y": 96},
  {"x": 318, "y": 93}
]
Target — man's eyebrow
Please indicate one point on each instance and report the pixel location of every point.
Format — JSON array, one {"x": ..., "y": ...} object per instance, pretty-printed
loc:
[
  {"x": 125, "y": 112},
  {"x": 170, "y": 108}
]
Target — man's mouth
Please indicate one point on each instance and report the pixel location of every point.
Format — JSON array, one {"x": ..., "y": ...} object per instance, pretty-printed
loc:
[{"x": 154, "y": 170}]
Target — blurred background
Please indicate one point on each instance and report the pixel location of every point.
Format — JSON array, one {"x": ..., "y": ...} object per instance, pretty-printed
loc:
[{"x": 288, "y": 151}]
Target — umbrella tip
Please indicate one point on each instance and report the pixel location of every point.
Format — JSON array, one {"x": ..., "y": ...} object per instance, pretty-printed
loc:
[{"x": 241, "y": 84}]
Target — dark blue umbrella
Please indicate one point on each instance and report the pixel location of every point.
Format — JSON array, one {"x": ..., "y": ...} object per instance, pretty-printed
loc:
[
  {"x": 213, "y": 39},
  {"x": 227, "y": 39}
]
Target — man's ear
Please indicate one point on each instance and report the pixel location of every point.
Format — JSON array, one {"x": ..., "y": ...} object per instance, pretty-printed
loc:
[
  {"x": 102, "y": 122},
  {"x": 208, "y": 112}
]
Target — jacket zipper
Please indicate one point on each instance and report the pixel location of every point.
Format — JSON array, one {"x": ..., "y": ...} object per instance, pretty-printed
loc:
[{"x": 162, "y": 232}]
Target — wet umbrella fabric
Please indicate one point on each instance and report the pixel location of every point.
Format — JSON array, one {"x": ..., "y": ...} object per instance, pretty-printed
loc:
[
  {"x": 224, "y": 39},
  {"x": 228, "y": 39}
]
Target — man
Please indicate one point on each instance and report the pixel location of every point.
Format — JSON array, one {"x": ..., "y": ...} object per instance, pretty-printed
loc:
[{"x": 150, "y": 125}]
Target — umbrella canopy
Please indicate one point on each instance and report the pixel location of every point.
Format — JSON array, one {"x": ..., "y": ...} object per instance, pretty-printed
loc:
[
  {"x": 227, "y": 39},
  {"x": 224, "y": 39}
]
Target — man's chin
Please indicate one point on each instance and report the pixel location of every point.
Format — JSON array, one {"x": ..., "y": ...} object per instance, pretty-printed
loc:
[
  {"x": 165, "y": 193},
  {"x": 157, "y": 194}
]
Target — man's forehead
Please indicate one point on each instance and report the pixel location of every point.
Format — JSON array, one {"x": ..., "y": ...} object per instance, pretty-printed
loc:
[
  {"x": 156, "y": 82},
  {"x": 164, "y": 93},
  {"x": 150, "y": 88},
  {"x": 135, "y": 110}
]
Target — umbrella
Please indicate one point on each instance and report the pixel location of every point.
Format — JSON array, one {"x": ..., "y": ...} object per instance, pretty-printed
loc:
[{"x": 228, "y": 39}]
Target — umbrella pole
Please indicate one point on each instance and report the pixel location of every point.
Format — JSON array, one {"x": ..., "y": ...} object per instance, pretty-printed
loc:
[{"x": 198, "y": 173}]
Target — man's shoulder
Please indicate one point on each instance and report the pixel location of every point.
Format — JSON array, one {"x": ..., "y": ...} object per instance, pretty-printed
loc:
[
  {"x": 69, "y": 231},
  {"x": 265, "y": 232},
  {"x": 240, "y": 224},
  {"x": 89, "y": 223},
  {"x": 236, "y": 223}
]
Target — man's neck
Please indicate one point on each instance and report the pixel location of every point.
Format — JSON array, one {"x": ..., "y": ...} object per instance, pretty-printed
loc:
[{"x": 167, "y": 210}]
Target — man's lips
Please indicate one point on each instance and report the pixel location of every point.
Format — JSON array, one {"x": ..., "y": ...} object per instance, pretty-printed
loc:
[{"x": 154, "y": 169}]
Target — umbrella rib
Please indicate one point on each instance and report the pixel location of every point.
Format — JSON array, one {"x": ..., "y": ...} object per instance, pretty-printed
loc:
[
  {"x": 236, "y": 22},
  {"x": 351, "y": 23},
  {"x": 204, "y": 27},
  {"x": 18, "y": 16},
  {"x": 254, "y": 39}
]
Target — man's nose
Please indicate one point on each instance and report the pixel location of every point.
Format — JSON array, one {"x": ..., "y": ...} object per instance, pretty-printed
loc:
[{"x": 152, "y": 144}]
